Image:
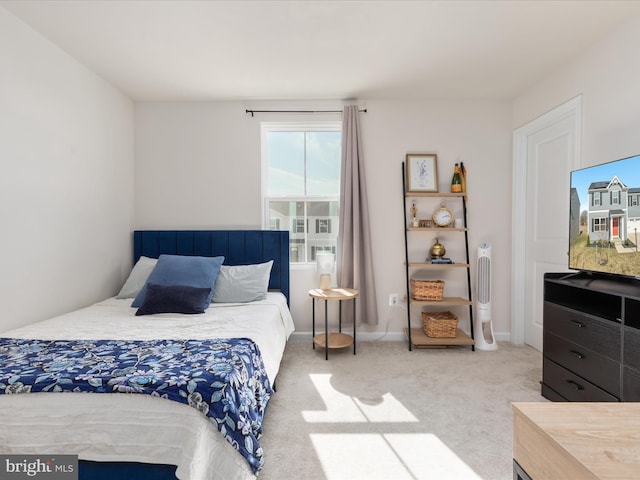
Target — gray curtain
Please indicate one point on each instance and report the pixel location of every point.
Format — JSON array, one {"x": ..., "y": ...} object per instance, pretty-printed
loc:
[{"x": 354, "y": 257}]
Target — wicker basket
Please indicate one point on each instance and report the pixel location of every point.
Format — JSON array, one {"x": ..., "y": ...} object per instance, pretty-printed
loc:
[
  {"x": 423, "y": 290},
  {"x": 439, "y": 324}
]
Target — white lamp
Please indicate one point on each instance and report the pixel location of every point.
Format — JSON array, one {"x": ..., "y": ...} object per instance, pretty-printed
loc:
[{"x": 324, "y": 266}]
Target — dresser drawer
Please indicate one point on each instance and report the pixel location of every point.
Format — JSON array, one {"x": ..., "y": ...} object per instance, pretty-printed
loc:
[
  {"x": 586, "y": 363},
  {"x": 630, "y": 385},
  {"x": 599, "y": 335},
  {"x": 551, "y": 394},
  {"x": 631, "y": 356},
  {"x": 571, "y": 386}
]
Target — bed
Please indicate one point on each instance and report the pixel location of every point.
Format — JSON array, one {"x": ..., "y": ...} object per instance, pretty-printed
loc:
[{"x": 124, "y": 435}]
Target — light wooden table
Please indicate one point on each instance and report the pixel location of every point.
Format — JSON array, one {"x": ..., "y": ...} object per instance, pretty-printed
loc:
[
  {"x": 581, "y": 441},
  {"x": 339, "y": 339}
]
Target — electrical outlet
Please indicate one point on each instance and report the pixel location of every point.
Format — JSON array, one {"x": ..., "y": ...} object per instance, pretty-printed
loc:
[{"x": 394, "y": 299}]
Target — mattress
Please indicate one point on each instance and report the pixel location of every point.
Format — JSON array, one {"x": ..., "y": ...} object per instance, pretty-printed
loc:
[{"x": 141, "y": 428}]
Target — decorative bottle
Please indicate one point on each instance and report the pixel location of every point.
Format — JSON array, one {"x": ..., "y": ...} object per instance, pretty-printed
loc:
[{"x": 456, "y": 181}]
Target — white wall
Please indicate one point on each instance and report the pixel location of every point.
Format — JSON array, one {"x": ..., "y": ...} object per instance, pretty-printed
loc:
[
  {"x": 66, "y": 188},
  {"x": 198, "y": 165},
  {"x": 477, "y": 133},
  {"x": 608, "y": 77}
]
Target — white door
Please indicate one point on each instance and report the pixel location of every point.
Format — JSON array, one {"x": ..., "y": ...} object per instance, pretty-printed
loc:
[{"x": 545, "y": 152}]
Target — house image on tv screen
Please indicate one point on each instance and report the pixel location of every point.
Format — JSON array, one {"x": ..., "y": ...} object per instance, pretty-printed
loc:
[{"x": 614, "y": 212}]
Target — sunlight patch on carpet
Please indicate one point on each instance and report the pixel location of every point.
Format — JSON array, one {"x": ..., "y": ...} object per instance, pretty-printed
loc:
[
  {"x": 341, "y": 408},
  {"x": 384, "y": 456}
]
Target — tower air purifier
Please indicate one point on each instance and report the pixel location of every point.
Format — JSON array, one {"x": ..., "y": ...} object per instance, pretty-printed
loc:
[{"x": 484, "y": 338}]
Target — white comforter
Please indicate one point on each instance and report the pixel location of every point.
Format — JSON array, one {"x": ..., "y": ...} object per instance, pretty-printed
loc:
[{"x": 131, "y": 427}]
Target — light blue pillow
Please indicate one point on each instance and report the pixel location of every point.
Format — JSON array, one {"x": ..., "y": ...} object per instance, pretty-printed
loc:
[
  {"x": 191, "y": 271},
  {"x": 138, "y": 277},
  {"x": 242, "y": 283}
]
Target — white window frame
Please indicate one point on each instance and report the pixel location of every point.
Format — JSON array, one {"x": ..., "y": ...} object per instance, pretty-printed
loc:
[
  {"x": 265, "y": 128},
  {"x": 600, "y": 224},
  {"x": 327, "y": 225},
  {"x": 298, "y": 222},
  {"x": 596, "y": 199}
]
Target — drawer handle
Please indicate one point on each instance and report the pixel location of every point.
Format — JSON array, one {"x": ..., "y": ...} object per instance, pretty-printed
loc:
[
  {"x": 578, "y": 324},
  {"x": 577, "y": 354},
  {"x": 576, "y": 385}
]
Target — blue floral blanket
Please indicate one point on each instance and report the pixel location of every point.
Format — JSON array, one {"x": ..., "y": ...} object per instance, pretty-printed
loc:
[{"x": 225, "y": 379}]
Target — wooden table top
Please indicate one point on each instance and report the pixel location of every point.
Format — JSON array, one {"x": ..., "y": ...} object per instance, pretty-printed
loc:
[
  {"x": 576, "y": 440},
  {"x": 334, "y": 293}
]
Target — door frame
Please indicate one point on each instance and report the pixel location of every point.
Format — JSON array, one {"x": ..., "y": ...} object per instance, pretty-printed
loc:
[{"x": 520, "y": 211}]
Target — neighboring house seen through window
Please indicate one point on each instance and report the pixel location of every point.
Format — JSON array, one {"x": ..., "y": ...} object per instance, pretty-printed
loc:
[{"x": 301, "y": 184}]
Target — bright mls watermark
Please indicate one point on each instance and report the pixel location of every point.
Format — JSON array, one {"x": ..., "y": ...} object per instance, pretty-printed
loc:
[{"x": 51, "y": 467}]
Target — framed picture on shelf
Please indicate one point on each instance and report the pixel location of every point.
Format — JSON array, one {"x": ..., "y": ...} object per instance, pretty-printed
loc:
[{"x": 422, "y": 172}]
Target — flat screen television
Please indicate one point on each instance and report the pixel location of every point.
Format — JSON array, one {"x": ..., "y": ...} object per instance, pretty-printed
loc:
[{"x": 604, "y": 224}]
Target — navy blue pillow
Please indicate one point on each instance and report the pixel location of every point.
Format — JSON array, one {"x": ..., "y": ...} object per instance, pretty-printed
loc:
[
  {"x": 174, "y": 299},
  {"x": 192, "y": 271}
]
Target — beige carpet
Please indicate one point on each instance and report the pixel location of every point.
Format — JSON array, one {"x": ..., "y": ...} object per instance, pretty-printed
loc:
[{"x": 387, "y": 413}]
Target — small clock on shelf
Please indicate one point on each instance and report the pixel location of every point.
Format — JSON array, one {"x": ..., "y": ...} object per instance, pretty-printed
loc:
[{"x": 443, "y": 216}]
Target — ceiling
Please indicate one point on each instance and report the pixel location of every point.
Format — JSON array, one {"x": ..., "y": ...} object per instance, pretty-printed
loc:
[{"x": 217, "y": 50}]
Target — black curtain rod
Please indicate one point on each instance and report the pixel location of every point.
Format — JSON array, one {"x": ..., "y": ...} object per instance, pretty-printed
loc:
[{"x": 252, "y": 112}]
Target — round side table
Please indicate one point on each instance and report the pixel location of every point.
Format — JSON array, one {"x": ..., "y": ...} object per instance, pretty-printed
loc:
[{"x": 339, "y": 339}]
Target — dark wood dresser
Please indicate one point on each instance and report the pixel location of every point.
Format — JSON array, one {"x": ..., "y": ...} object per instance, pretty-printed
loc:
[{"x": 591, "y": 343}]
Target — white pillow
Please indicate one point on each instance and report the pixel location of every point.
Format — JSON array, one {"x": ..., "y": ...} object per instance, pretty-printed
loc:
[
  {"x": 138, "y": 277},
  {"x": 242, "y": 283}
]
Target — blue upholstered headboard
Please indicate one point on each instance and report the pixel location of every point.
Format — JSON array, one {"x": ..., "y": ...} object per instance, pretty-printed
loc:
[{"x": 239, "y": 247}]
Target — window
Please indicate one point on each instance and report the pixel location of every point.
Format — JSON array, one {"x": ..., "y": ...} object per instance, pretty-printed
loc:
[
  {"x": 297, "y": 226},
  {"x": 599, "y": 224},
  {"x": 323, "y": 225},
  {"x": 615, "y": 197},
  {"x": 596, "y": 199},
  {"x": 301, "y": 184}
]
